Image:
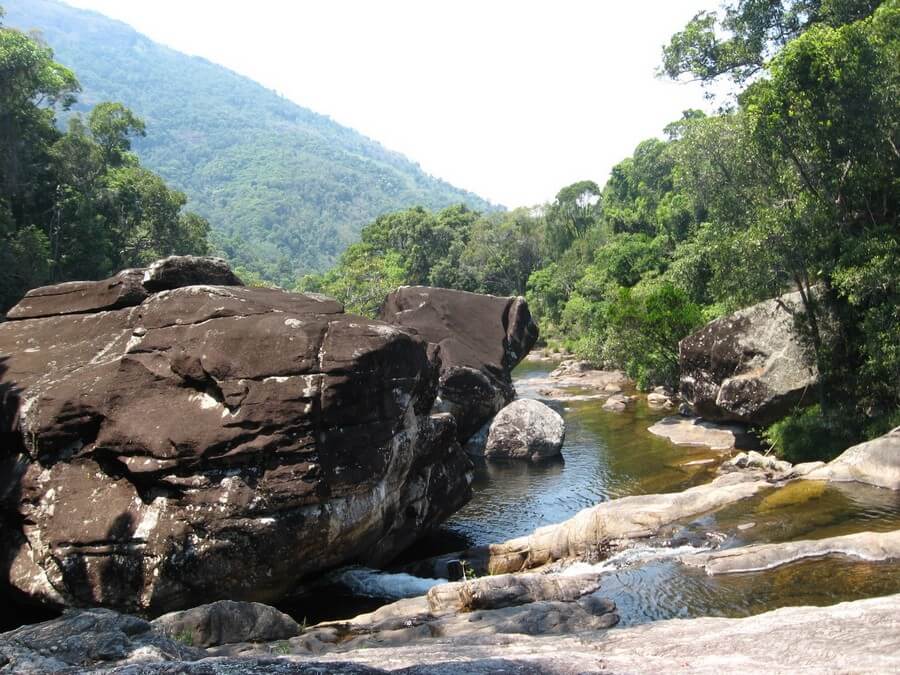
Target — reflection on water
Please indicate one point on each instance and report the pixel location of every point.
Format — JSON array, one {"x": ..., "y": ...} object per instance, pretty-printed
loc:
[{"x": 805, "y": 510}]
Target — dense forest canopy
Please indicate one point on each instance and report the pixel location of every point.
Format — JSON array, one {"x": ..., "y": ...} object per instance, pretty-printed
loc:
[
  {"x": 284, "y": 189},
  {"x": 75, "y": 204},
  {"x": 794, "y": 187}
]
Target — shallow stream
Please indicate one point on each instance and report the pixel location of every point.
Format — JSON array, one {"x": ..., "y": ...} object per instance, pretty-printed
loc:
[{"x": 609, "y": 455}]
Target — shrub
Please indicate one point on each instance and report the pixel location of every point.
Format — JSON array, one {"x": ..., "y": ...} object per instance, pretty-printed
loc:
[{"x": 808, "y": 435}]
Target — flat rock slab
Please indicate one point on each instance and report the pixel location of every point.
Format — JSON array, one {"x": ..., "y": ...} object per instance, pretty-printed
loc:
[
  {"x": 695, "y": 431},
  {"x": 853, "y": 637}
]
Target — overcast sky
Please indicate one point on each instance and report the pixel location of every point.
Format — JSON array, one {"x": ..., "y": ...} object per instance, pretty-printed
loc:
[{"x": 511, "y": 99}]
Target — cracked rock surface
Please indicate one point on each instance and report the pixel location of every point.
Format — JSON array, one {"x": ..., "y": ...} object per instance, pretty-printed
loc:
[{"x": 165, "y": 448}]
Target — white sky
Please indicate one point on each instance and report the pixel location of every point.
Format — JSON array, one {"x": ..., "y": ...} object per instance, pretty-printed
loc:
[{"x": 510, "y": 99}]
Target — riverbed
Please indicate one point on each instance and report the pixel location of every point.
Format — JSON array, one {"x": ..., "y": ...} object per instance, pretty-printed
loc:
[{"x": 608, "y": 455}]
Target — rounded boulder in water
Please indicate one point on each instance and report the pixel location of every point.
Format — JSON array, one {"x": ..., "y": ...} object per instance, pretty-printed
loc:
[{"x": 525, "y": 429}]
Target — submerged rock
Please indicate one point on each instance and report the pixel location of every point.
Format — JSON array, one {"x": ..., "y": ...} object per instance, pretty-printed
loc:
[
  {"x": 876, "y": 462},
  {"x": 212, "y": 442},
  {"x": 479, "y": 339},
  {"x": 617, "y": 402},
  {"x": 525, "y": 429},
  {"x": 750, "y": 366}
]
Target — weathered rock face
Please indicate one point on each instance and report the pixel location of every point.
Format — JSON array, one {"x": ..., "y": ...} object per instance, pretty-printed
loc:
[
  {"x": 525, "y": 429},
  {"x": 212, "y": 442},
  {"x": 95, "y": 639},
  {"x": 876, "y": 462},
  {"x": 479, "y": 339},
  {"x": 749, "y": 366}
]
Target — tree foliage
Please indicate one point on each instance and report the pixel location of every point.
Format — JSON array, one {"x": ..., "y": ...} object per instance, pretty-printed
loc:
[
  {"x": 739, "y": 40},
  {"x": 794, "y": 188},
  {"x": 74, "y": 205}
]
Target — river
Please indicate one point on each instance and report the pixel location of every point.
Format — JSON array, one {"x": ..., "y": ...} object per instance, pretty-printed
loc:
[{"x": 607, "y": 455}]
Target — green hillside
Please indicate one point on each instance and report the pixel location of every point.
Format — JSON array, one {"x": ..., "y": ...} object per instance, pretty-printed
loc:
[{"x": 285, "y": 189}]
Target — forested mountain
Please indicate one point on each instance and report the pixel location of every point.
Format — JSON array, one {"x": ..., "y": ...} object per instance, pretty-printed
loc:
[{"x": 285, "y": 189}]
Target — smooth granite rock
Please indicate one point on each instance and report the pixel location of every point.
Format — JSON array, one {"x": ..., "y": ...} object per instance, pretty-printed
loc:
[
  {"x": 876, "y": 462},
  {"x": 525, "y": 429}
]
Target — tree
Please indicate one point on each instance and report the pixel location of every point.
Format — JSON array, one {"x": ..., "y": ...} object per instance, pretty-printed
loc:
[
  {"x": 575, "y": 209},
  {"x": 801, "y": 187},
  {"x": 75, "y": 205},
  {"x": 502, "y": 252},
  {"x": 739, "y": 41},
  {"x": 112, "y": 125},
  {"x": 643, "y": 328},
  {"x": 361, "y": 280}
]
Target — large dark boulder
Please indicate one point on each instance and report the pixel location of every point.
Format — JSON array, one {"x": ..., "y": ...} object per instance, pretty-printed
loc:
[
  {"x": 750, "y": 366},
  {"x": 479, "y": 339},
  {"x": 126, "y": 289},
  {"x": 212, "y": 442}
]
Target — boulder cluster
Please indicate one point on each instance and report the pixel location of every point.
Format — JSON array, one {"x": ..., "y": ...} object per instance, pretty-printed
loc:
[{"x": 171, "y": 436}]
